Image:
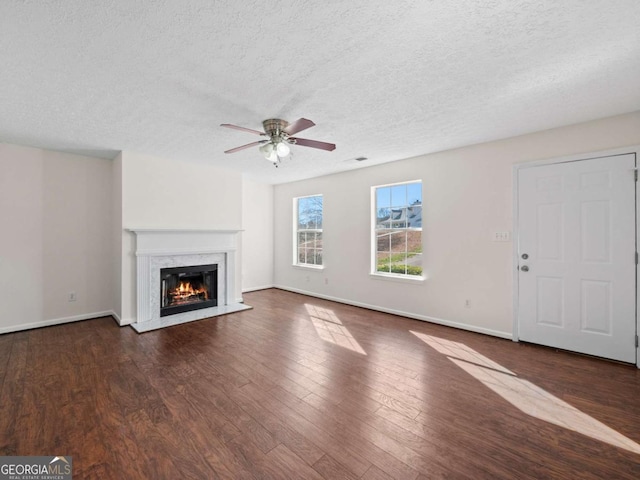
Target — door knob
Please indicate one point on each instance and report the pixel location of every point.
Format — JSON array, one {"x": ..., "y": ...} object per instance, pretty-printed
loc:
[
  {"x": 524, "y": 268},
  {"x": 525, "y": 256}
]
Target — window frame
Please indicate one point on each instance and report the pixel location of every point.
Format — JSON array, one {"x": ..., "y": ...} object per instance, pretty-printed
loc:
[
  {"x": 374, "y": 273},
  {"x": 296, "y": 231}
]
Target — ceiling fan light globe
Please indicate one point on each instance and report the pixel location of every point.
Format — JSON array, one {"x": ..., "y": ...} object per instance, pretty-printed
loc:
[
  {"x": 267, "y": 150},
  {"x": 283, "y": 149},
  {"x": 272, "y": 157}
]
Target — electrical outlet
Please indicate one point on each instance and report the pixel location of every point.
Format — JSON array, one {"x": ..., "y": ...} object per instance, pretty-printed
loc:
[
  {"x": 467, "y": 303},
  {"x": 326, "y": 281},
  {"x": 72, "y": 296}
]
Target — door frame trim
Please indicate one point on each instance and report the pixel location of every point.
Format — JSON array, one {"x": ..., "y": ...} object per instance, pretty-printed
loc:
[{"x": 634, "y": 149}]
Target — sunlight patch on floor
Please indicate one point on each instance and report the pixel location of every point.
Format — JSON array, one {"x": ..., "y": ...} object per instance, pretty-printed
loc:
[
  {"x": 524, "y": 395},
  {"x": 330, "y": 329},
  {"x": 460, "y": 351}
]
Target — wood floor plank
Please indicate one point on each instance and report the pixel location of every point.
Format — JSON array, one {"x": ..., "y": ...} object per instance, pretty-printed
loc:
[
  {"x": 260, "y": 464},
  {"x": 374, "y": 473},
  {"x": 13, "y": 389},
  {"x": 289, "y": 465},
  {"x": 266, "y": 393},
  {"x": 374, "y": 446},
  {"x": 324, "y": 439},
  {"x": 289, "y": 437},
  {"x": 327, "y": 467},
  {"x": 6, "y": 342},
  {"x": 245, "y": 423}
]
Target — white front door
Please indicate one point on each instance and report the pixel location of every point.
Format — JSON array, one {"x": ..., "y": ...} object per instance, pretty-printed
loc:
[{"x": 577, "y": 256}]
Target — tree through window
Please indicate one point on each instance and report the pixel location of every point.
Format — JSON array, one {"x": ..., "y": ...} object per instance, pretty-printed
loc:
[{"x": 309, "y": 230}]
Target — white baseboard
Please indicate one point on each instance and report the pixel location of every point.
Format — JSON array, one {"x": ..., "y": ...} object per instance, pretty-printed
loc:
[
  {"x": 57, "y": 321},
  {"x": 255, "y": 289},
  {"x": 120, "y": 321},
  {"x": 415, "y": 316}
]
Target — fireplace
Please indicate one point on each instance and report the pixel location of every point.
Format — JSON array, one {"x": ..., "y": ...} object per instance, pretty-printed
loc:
[
  {"x": 187, "y": 288},
  {"x": 159, "y": 251}
]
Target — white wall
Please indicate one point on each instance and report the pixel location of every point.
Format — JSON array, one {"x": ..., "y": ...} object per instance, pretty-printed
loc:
[
  {"x": 467, "y": 195},
  {"x": 116, "y": 235},
  {"x": 165, "y": 193},
  {"x": 55, "y": 213},
  {"x": 257, "y": 236}
]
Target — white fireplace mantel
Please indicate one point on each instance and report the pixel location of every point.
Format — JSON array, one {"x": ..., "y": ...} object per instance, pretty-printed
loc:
[{"x": 162, "y": 248}]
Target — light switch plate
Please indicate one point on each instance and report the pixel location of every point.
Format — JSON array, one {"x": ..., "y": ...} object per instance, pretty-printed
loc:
[{"x": 501, "y": 236}]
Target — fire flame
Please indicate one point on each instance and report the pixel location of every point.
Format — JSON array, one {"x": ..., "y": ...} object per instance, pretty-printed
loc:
[{"x": 185, "y": 290}]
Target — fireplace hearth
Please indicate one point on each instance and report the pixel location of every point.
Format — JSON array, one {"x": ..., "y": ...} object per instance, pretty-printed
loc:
[{"x": 187, "y": 288}]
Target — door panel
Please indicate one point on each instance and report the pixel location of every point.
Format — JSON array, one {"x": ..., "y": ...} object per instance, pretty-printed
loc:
[
  {"x": 550, "y": 301},
  {"x": 596, "y": 308},
  {"x": 577, "y": 227},
  {"x": 550, "y": 242},
  {"x": 595, "y": 231}
]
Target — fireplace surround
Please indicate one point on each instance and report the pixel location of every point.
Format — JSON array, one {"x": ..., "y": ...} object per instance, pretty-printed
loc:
[{"x": 168, "y": 250}]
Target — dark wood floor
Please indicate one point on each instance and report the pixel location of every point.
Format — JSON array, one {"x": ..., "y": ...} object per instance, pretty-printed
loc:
[{"x": 301, "y": 388}]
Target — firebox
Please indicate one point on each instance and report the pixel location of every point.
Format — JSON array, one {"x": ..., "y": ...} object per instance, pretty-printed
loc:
[{"x": 183, "y": 289}]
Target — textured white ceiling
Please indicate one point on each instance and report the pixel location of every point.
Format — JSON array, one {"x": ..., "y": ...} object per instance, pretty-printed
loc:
[{"x": 385, "y": 80}]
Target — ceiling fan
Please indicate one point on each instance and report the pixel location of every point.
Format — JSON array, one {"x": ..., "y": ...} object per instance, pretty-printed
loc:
[{"x": 279, "y": 138}]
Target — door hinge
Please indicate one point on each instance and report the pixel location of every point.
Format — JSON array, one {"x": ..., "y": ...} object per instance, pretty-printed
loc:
[
  {"x": 636, "y": 258},
  {"x": 636, "y": 341},
  {"x": 635, "y": 174}
]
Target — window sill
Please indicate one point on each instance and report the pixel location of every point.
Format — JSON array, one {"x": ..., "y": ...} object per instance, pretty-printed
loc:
[
  {"x": 310, "y": 267},
  {"x": 398, "y": 278}
]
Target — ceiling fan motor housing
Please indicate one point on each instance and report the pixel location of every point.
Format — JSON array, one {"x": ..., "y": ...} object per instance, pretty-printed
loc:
[{"x": 274, "y": 127}]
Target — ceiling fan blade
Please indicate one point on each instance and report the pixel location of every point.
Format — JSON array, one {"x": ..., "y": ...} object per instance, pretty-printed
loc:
[
  {"x": 244, "y": 129},
  {"x": 298, "y": 126},
  {"x": 248, "y": 145},
  {"x": 313, "y": 143}
]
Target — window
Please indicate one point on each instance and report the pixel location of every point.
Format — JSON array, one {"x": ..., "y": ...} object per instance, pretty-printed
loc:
[
  {"x": 397, "y": 240},
  {"x": 308, "y": 212}
]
